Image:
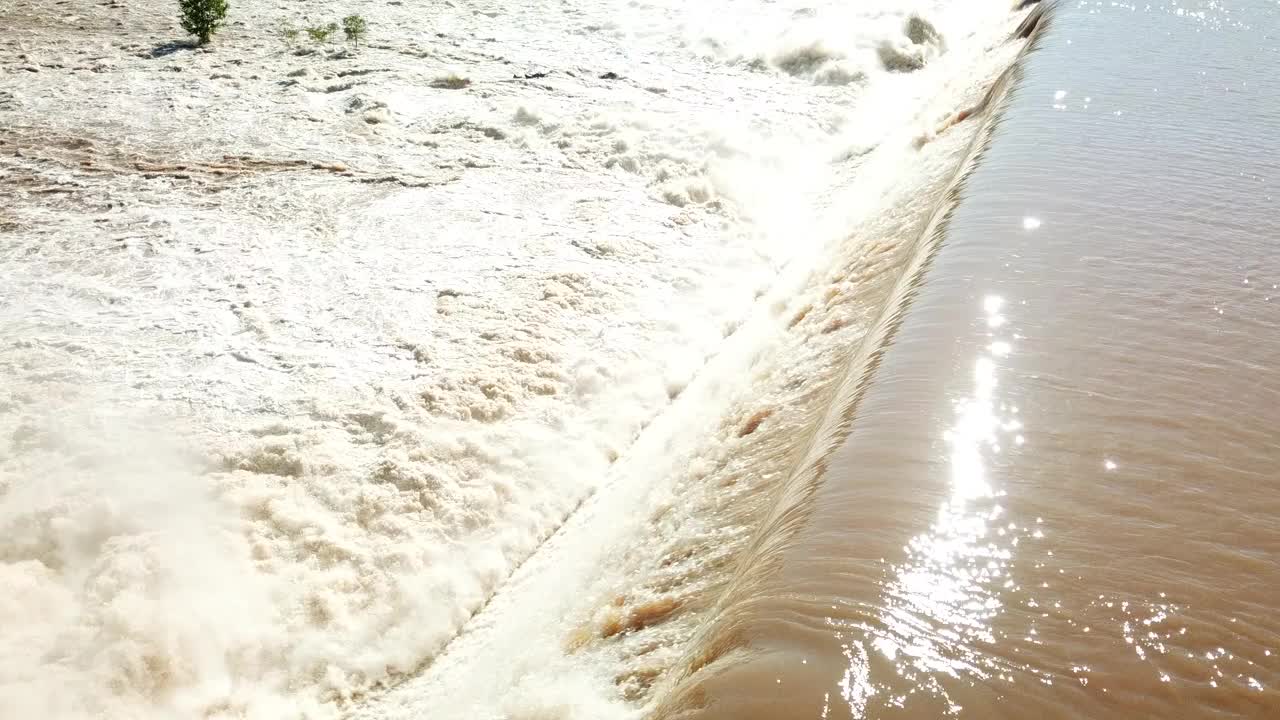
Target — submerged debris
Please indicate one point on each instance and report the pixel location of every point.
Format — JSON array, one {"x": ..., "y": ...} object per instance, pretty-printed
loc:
[
  {"x": 920, "y": 43},
  {"x": 921, "y": 31},
  {"x": 451, "y": 82}
]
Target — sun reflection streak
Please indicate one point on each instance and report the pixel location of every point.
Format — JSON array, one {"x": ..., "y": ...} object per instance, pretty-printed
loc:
[
  {"x": 855, "y": 686},
  {"x": 940, "y": 600}
]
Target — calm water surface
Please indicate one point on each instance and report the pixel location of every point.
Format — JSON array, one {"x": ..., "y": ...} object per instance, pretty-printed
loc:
[{"x": 1059, "y": 494}]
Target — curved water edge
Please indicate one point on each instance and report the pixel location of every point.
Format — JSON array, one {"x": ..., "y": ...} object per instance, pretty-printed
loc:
[
  {"x": 1053, "y": 465},
  {"x": 648, "y": 556},
  {"x": 725, "y": 671},
  {"x": 385, "y": 318}
]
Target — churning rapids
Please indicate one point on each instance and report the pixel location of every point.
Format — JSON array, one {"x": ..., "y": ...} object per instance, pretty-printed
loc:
[{"x": 516, "y": 364}]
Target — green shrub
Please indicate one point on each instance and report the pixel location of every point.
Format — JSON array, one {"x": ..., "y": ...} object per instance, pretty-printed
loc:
[
  {"x": 322, "y": 33},
  {"x": 355, "y": 28},
  {"x": 202, "y": 18},
  {"x": 289, "y": 34}
]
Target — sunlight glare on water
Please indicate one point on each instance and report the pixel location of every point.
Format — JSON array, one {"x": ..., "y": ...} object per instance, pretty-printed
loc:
[
  {"x": 951, "y": 575},
  {"x": 610, "y": 360}
]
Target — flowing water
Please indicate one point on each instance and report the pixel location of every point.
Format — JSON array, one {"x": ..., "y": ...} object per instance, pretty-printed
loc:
[
  {"x": 1057, "y": 496},
  {"x": 494, "y": 370},
  {"x": 308, "y": 349}
]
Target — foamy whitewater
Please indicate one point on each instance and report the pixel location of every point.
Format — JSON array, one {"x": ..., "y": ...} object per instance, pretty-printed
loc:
[{"x": 305, "y": 350}]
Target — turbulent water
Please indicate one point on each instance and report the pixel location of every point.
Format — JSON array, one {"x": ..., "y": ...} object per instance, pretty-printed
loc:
[
  {"x": 644, "y": 359},
  {"x": 1050, "y": 490}
]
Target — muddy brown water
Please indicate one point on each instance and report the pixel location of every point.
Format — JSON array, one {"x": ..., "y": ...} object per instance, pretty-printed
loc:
[{"x": 1056, "y": 492}]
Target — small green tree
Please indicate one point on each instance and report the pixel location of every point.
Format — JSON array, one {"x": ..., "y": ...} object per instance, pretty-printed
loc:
[
  {"x": 355, "y": 28},
  {"x": 202, "y": 18}
]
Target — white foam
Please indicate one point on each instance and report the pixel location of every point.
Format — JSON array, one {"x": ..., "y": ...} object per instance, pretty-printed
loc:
[
  {"x": 272, "y": 441},
  {"x": 127, "y": 577}
]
